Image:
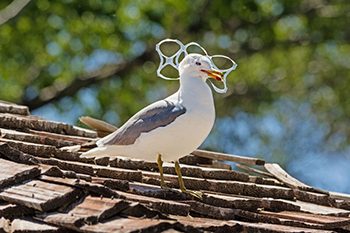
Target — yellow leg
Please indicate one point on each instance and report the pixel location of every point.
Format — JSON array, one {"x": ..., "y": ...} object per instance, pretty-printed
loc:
[
  {"x": 160, "y": 166},
  {"x": 197, "y": 194}
]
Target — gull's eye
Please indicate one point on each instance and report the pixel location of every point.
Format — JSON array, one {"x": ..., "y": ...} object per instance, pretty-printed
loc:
[{"x": 198, "y": 63}]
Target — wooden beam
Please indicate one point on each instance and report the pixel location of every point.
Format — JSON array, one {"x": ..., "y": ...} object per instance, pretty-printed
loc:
[
  {"x": 228, "y": 157},
  {"x": 255, "y": 170},
  {"x": 290, "y": 181}
]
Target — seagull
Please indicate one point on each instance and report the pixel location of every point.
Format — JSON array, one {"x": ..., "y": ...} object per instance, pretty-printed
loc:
[{"x": 170, "y": 128}]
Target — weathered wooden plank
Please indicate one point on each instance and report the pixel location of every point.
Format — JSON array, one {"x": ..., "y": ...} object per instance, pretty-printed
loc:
[
  {"x": 55, "y": 171},
  {"x": 4, "y": 225},
  {"x": 122, "y": 185},
  {"x": 44, "y": 151},
  {"x": 284, "y": 177},
  {"x": 342, "y": 204},
  {"x": 95, "y": 188},
  {"x": 63, "y": 220},
  {"x": 342, "y": 196},
  {"x": 230, "y": 201},
  {"x": 248, "y": 203},
  {"x": 327, "y": 222},
  {"x": 129, "y": 225},
  {"x": 290, "y": 181},
  {"x": 208, "y": 224},
  {"x": 273, "y": 228},
  {"x": 228, "y": 157},
  {"x": 14, "y": 210},
  {"x": 51, "y": 170},
  {"x": 57, "y": 143},
  {"x": 59, "y": 180},
  {"x": 61, "y": 137},
  {"x": 211, "y": 211},
  {"x": 204, "y": 172},
  {"x": 267, "y": 181},
  {"x": 251, "y": 189},
  {"x": 22, "y": 122},
  {"x": 81, "y": 132},
  {"x": 156, "y": 192},
  {"x": 29, "y": 225},
  {"x": 257, "y": 171},
  {"x": 213, "y": 225},
  {"x": 164, "y": 206},
  {"x": 136, "y": 209},
  {"x": 346, "y": 228},
  {"x": 319, "y": 209},
  {"x": 95, "y": 209},
  {"x": 279, "y": 205},
  {"x": 90, "y": 169},
  {"x": 195, "y": 160},
  {"x": 40, "y": 195},
  {"x": 117, "y": 173},
  {"x": 13, "y": 108},
  {"x": 264, "y": 218},
  {"x": 124, "y": 162},
  {"x": 19, "y": 136},
  {"x": 13, "y": 173},
  {"x": 98, "y": 189},
  {"x": 218, "y": 164},
  {"x": 31, "y": 148},
  {"x": 15, "y": 155},
  {"x": 312, "y": 197},
  {"x": 102, "y": 128}
]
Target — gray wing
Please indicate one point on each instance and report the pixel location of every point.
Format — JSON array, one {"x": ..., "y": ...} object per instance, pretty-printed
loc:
[{"x": 158, "y": 114}]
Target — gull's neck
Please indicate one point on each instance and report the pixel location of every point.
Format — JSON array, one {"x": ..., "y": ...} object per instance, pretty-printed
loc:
[{"x": 194, "y": 90}]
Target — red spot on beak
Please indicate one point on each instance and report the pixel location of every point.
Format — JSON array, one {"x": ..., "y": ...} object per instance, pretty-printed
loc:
[{"x": 214, "y": 74}]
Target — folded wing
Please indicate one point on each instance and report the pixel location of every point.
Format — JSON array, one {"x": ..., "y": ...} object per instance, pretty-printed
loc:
[{"x": 158, "y": 114}]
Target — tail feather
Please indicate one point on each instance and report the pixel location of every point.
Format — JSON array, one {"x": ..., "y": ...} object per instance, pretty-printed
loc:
[
  {"x": 97, "y": 152},
  {"x": 74, "y": 148}
]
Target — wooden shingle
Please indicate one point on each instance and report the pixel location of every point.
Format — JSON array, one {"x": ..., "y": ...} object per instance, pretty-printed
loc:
[
  {"x": 95, "y": 209},
  {"x": 30, "y": 226},
  {"x": 129, "y": 225},
  {"x": 40, "y": 195},
  {"x": 14, "y": 210},
  {"x": 14, "y": 173},
  {"x": 7, "y": 107},
  {"x": 67, "y": 193}
]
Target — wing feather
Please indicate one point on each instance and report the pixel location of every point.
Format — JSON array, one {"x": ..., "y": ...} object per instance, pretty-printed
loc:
[{"x": 158, "y": 114}]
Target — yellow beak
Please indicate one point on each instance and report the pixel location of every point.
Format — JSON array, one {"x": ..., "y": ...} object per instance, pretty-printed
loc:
[{"x": 214, "y": 74}]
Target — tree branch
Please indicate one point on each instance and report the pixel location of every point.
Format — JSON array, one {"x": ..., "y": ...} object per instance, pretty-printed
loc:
[
  {"x": 12, "y": 10},
  {"x": 55, "y": 92}
]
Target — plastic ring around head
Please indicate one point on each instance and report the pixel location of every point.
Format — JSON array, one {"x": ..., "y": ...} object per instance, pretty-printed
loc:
[{"x": 174, "y": 61}]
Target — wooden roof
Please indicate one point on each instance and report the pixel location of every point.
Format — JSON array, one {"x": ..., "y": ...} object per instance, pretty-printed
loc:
[{"x": 44, "y": 189}]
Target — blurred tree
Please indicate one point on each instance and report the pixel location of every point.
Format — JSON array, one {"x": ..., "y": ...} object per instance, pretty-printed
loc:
[{"x": 97, "y": 58}]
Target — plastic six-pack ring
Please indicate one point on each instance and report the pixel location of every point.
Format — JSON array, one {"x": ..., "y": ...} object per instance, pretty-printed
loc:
[{"x": 174, "y": 61}]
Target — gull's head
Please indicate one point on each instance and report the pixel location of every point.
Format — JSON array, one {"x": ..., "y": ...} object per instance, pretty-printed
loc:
[{"x": 197, "y": 65}]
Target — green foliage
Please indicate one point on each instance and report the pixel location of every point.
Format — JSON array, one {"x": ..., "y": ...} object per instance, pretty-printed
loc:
[{"x": 284, "y": 49}]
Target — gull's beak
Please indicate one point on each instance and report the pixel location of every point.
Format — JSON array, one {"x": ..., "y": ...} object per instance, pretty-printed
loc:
[{"x": 214, "y": 74}]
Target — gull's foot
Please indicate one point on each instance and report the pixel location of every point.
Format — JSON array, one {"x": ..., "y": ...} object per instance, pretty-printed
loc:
[
  {"x": 197, "y": 194},
  {"x": 163, "y": 186}
]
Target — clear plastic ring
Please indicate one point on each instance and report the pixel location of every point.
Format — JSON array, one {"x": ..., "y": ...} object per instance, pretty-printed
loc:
[{"x": 174, "y": 61}]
